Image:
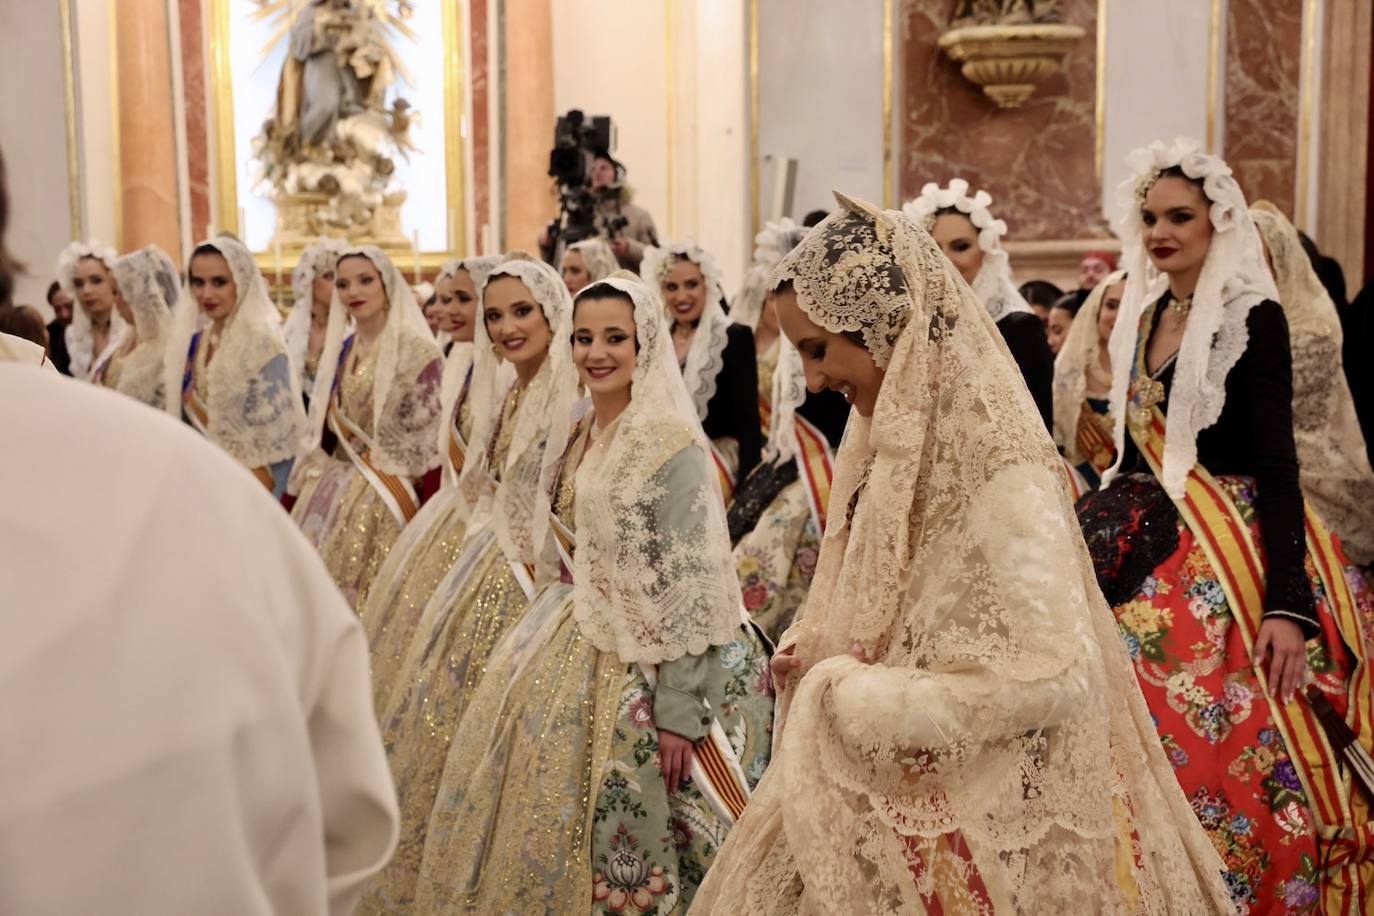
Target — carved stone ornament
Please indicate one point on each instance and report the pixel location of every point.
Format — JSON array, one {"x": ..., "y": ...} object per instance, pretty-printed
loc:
[{"x": 1009, "y": 46}]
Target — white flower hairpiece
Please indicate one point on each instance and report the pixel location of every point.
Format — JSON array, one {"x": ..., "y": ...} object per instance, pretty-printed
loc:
[
  {"x": 1147, "y": 163},
  {"x": 933, "y": 198}
]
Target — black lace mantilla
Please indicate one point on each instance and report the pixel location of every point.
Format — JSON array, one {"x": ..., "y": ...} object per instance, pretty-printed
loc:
[
  {"x": 760, "y": 488},
  {"x": 1130, "y": 527}
]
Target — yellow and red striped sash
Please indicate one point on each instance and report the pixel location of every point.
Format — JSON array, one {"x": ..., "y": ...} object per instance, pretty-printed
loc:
[
  {"x": 1093, "y": 437},
  {"x": 397, "y": 494},
  {"x": 1077, "y": 485},
  {"x": 457, "y": 451},
  {"x": 816, "y": 468},
  {"x": 727, "y": 477},
  {"x": 1212, "y": 516}
]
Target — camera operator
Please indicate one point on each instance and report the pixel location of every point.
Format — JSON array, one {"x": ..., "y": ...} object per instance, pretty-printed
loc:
[{"x": 613, "y": 206}]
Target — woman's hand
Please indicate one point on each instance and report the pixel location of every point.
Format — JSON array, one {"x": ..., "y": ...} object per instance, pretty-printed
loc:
[
  {"x": 674, "y": 759},
  {"x": 1288, "y": 667},
  {"x": 784, "y": 664}
]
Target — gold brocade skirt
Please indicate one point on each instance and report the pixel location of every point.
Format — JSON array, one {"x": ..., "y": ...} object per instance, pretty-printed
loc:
[
  {"x": 349, "y": 524},
  {"x": 424, "y": 554},
  {"x": 474, "y": 606}
]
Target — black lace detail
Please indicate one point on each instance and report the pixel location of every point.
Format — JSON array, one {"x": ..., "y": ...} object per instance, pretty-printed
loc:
[
  {"x": 1130, "y": 528},
  {"x": 760, "y": 488}
]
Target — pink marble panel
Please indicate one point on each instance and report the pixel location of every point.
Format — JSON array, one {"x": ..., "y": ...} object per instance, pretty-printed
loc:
[
  {"x": 1263, "y": 65},
  {"x": 1037, "y": 161},
  {"x": 481, "y": 110},
  {"x": 193, "y": 80}
]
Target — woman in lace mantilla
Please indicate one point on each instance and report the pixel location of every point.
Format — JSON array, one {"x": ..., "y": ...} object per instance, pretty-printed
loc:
[
  {"x": 371, "y": 457},
  {"x": 961, "y": 728},
  {"x": 84, "y": 271},
  {"x": 148, "y": 285},
  {"x": 1230, "y": 597},
  {"x": 226, "y": 370},
  {"x": 428, "y": 546},
  {"x": 312, "y": 289},
  {"x": 963, "y": 226},
  {"x": 567, "y": 786},
  {"x": 717, "y": 356},
  {"x": 488, "y": 588},
  {"x": 752, "y": 308},
  {"x": 1083, "y": 429}
]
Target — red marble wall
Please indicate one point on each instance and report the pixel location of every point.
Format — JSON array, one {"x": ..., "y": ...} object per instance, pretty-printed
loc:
[
  {"x": 1263, "y": 68},
  {"x": 1037, "y": 161},
  {"x": 193, "y": 76},
  {"x": 479, "y": 42}
]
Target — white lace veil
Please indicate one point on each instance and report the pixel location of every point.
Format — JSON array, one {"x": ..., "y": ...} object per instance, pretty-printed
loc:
[
  {"x": 80, "y": 339},
  {"x": 1234, "y": 279},
  {"x": 598, "y": 256},
  {"x": 316, "y": 259},
  {"x": 994, "y": 284},
  {"x": 789, "y": 393},
  {"x": 459, "y": 359},
  {"x": 520, "y": 504},
  {"x": 150, "y": 283},
  {"x": 1000, "y": 706},
  {"x": 255, "y": 411},
  {"x": 706, "y": 354},
  {"x": 1071, "y": 367},
  {"x": 771, "y": 243},
  {"x": 1336, "y": 476},
  {"x": 405, "y": 386},
  {"x": 654, "y": 575}
]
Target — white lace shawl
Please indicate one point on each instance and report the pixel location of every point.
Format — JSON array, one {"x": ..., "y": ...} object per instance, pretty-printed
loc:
[
  {"x": 771, "y": 244},
  {"x": 405, "y": 386},
  {"x": 1076, "y": 358},
  {"x": 519, "y": 506},
  {"x": 1234, "y": 279},
  {"x": 1336, "y": 475},
  {"x": 789, "y": 393},
  {"x": 706, "y": 353},
  {"x": 255, "y": 411},
  {"x": 79, "y": 336},
  {"x": 316, "y": 259},
  {"x": 149, "y": 282},
  {"x": 994, "y": 284},
  {"x": 598, "y": 256},
  {"x": 460, "y": 356},
  {"x": 1000, "y": 702},
  {"x": 654, "y": 574}
]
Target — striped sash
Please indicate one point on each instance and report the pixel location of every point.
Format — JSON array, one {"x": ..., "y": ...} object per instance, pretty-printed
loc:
[
  {"x": 816, "y": 467},
  {"x": 1077, "y": 485},
  {"x": 1212, "y": 516},
  {"x": 765, "y": 412},
  {"x": 199, "y": 414},
  {"x": 727, "y": 476},
  {"x": 397, "y": 494},
  {"x": 457, "y": 448},
  {"x": 1093, "y": 437}
]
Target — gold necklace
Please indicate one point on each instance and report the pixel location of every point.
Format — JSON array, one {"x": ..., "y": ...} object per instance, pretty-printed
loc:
[{"x": 1181, "y": 307}]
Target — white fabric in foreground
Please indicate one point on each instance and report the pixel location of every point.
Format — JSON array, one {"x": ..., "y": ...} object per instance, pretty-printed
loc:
[{"x": 185, "y": 716}]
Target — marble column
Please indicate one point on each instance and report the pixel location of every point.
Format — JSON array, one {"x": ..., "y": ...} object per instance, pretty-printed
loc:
[
  {"x": 147, "y": 137},
  {"x": 527, "y": 121},
  {"x": 1263, "y": 67},
  {"x": 479, "y": 43},
  {"x": 1342, "y": 177},
  {"x": 193, "y": 80}
]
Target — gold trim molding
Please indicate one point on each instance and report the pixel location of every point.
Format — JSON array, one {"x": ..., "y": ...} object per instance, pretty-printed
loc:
[{"x": 64, "y": 11}]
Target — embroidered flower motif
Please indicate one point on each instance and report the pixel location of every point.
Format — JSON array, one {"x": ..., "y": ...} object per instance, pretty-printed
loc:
[
  {"x": 733, "y": 656},
  {"x": 641, "y": 711},
  {"x": 628, "y": 884}
]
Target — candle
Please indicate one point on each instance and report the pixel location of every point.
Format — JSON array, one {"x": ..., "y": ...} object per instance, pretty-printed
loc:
[{"x": 415, "y": 244}]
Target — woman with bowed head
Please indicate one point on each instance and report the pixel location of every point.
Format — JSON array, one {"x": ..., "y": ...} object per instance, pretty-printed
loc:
[
  {"x": 717, "y": 356},
  {"x": 971, "y": 238},
  {"x": 428, "y": 546},
  {"x": 525, "y": 310},
  {"x": 961, "y": 729},
  {"x": 148, "y": 287},
  {"x": 312, "y": 288},
  {"x": 1083, "y": 383},
  {"x": 226, "y": 370},
  {"x": 626, "y": 718},
  {"x": 1230, "y": 596},
  {"x": 371, "y": 456},
  {"x": 586, "y": 262},
  {"x": 84, "y": 272},
  {"x": 753, "y": 308},
  {"x": 1335, "y": 474}
]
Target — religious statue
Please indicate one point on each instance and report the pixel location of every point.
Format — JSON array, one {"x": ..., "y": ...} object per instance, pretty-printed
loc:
[
  {"x": 1006, "y": 12},
  {"x": 332, "y": 133}
]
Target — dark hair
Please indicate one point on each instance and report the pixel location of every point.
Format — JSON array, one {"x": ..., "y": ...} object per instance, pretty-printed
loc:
[
  {"x": 1040, "y": 292},
  {"x": 600, "y": 292},
  {"x": 1176, "y": 171},
  {"x": 814, "y": 217},
  {"x": 53, "y": 290},
  {"x": 1069, "y": 302},
  {"x": 206, "y": 248},
  {"x": 857, "y": 337},
  {"x": 23, "y": 321}
]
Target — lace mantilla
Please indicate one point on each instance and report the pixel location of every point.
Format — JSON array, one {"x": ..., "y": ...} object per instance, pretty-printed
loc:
[
  {"x": 994, "y": 284},
  {"x": 771, "y": 245},
  {"x": 80, "y": 336},
  {"x": 149, "y": 282},
  {"x": 1077, "y": 357},
  {"x": 706, "y": 354},
  {"x": 459, "y": 363},
  {"x": 405, "y": 383},
  {"x": 1234, "y": 279},
  {"x": 598, "y": 256},
  {"x": 317, "y": 258},
  {"x": 1000, "y": 707},
  {"x": 253, "y": 397},
  {"x": 654, "y": 574}
]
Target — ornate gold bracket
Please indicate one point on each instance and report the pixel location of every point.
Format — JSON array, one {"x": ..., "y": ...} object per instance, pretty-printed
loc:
[{"x": 1009, "y": 61}]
